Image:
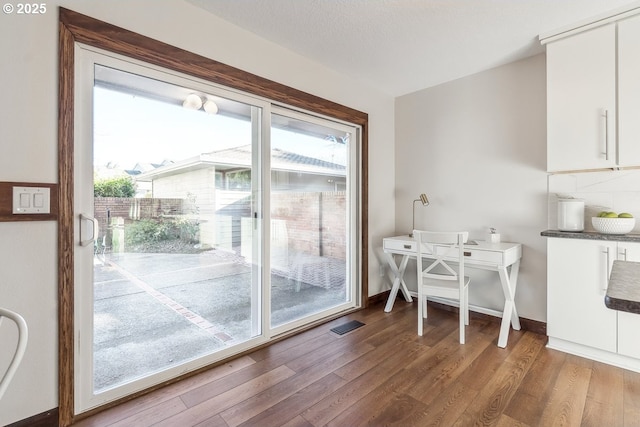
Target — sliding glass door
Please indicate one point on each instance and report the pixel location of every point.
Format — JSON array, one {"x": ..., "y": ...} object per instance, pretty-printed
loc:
[
  {"x": 207, "y": 222},
  {"x": 310, "y": 205}
]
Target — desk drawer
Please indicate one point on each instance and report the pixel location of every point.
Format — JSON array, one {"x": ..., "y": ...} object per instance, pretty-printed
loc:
[
  {"x": 399, "y": 245},
  {"x": 474, "y": 254}
]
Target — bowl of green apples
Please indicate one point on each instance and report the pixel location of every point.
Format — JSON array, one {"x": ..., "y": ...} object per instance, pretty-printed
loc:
[{"x": 608, "y": 222}]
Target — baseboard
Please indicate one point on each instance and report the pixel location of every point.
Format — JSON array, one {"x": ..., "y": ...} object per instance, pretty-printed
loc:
[
  {"x": 45, "y": 419},
  {"x": 378, "y": 298},
  {"x": 534, "y": 326},
  {"x": 596, "y": 354},
  {"x": 526, "y": 324}
]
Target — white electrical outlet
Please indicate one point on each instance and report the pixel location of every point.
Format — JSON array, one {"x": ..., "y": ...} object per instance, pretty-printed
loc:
[{"x": 31, "y": 200}]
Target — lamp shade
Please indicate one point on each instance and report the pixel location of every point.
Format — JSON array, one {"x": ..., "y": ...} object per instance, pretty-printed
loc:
[{"x": 425, "y": 201}]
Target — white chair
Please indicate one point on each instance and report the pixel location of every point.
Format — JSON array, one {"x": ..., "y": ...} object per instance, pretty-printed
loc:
[
  {"x": 440, "y": 277},
  {"x": 20, "y": 347}
]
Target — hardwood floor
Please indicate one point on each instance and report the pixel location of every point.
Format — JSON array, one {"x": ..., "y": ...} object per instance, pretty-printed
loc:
[{"x": 385, "y": 374}]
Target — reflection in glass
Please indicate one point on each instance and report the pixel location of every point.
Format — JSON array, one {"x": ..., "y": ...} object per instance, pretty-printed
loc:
[
  {"x": 172, "y": 187},
  {"x": 308, "y": 218}
]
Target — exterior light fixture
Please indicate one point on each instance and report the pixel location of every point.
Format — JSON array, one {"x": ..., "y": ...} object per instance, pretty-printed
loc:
[
  {"x": 425, "y": 202},
  {"x": 192, "y": 102},
  {"x": 195, "y": 102},
  {"x": 210, "y": 107}
]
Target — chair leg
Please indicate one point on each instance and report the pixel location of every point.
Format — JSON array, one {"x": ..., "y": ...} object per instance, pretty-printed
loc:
[
  {"x": 463, "y": 313},
  {"x": 466, "y": 306},
  {"x": 420, "y": 314},
  {"x": 424, "y": 310}
]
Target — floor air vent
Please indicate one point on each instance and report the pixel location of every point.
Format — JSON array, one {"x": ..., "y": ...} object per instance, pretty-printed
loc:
[{"x": 347, "y": 327}]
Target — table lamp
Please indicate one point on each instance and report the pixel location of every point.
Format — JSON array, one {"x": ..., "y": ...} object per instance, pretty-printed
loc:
[{"x": 425, "y": 201}]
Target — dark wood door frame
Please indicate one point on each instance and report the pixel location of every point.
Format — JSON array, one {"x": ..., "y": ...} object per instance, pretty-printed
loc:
[{"x": 77, "y": 28}]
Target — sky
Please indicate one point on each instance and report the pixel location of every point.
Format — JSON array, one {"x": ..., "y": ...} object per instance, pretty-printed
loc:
[{"x": 131, "y": 129}]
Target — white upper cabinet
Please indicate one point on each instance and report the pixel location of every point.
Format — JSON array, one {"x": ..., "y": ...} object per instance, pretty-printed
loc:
[
  {"x": 629, "y": 92},
  {"x": 581, "y": 101}
]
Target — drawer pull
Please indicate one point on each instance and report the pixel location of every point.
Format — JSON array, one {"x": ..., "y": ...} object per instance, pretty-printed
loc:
[
  {"x": 467, "y": 253},
  {"x": 407, "y": 246}
]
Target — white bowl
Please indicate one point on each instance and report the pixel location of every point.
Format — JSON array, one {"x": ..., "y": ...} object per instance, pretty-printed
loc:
[{"x": 613, "y": 225}]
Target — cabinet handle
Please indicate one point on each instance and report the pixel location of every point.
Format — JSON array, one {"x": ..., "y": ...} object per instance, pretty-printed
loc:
[
  {"x": 407, "y": 246},
  {"x": 606, "y": 269},
  {"x": 606, "y": 134},
  {"x": 623, "y": 253}
]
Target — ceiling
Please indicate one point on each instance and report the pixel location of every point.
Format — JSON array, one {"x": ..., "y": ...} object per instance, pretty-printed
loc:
[{"x": 401, "y": 46}]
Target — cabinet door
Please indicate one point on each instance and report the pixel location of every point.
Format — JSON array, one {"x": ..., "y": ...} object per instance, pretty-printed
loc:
[
  {"x": 629, "y": 92},
  {"x": 581, "y": 101},
  {"x": 629, "y": 323},
  {"x": 577, "y": 276}
]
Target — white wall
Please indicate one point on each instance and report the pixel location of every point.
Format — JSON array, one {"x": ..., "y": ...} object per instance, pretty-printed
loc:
[
  {"x": 28, "y": 144},
  {"x": 477, "y": 147}
]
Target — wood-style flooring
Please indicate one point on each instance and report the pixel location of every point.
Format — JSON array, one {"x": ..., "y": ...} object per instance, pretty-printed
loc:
[{"x": 384, "y": 374}]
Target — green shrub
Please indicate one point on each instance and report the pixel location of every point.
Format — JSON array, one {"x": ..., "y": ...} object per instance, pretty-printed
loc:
[
  {"x": 121, "y": 186},
  {"x": 147, "y": 231},
  {"x": 187, "y": 229}
]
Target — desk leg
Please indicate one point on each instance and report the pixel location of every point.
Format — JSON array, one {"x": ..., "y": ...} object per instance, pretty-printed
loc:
[
  {"x": 398, "y": 281},
  {"x": 509, "y": 314},
  {"x": 513, "y": 279}
]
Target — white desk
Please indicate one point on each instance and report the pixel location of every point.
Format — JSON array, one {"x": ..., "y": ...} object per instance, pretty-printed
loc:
[{"x": 486, "y": 256}]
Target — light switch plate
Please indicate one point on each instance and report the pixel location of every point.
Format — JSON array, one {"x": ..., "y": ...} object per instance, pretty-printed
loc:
[{"x": 31, "y": 200}]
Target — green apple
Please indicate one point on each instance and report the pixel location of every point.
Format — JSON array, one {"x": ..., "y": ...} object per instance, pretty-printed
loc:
[
  {"x": 603, "y": 214},
  {"x": 625, "y": 215},
  {"x": 611, "y": 215}
]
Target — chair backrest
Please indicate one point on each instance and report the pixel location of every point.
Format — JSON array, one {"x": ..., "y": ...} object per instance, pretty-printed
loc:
[
  {"x": 444, "y": 248},
  {"x": 21, "y": 346}
]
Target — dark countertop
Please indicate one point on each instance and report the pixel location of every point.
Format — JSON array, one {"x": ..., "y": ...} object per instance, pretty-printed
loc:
[
  {"x": 623, "y": 292},
  {"x": 591, "y": 235}
]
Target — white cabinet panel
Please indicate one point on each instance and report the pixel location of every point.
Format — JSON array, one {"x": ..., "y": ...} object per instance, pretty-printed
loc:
[
  {"x": 629, "y": 92},
  {"x": 629, "y": 334},
  {"x": 578, "y": 274},
  {"x": 581, "y": 100},
  {"x": 576, "y": 284},
  {"x": 629, "y": 323}
]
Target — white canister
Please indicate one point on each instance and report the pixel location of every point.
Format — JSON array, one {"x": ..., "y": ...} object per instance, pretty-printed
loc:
[{"x": 570, "y": 214}]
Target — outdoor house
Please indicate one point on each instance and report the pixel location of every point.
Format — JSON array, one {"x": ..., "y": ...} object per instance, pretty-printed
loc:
[{"x": 180, "y": 189}]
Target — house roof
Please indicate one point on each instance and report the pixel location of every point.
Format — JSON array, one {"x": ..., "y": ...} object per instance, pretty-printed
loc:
[
  {"x": 140, "y": 168},
  {"x": 237, "y": 158}
]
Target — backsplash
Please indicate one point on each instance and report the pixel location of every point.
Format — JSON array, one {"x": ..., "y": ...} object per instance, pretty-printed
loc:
[{"x": 617, "y": 191}]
